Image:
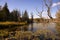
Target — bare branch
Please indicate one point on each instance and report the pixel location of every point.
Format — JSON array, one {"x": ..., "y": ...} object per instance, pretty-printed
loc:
[
  {"x": 40, "y": 13},
  {"x": 48, "y": 7},
  {"x": 45, "y": 3}
]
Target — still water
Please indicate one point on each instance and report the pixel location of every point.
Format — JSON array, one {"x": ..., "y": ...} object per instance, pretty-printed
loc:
[{"x": 40, "y": 26}]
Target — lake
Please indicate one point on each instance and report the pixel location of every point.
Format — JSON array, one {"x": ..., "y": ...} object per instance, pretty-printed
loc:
[
  {"x": 42, "y": 26},
  {"x": 39, "y": 26}
]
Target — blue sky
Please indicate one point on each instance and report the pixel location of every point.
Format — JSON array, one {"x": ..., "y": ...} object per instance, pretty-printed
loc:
[{"x": 30, "y": 6}]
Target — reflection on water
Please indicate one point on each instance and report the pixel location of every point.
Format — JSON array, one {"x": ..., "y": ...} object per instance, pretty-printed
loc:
[
  {"x": 42, "y": 26},
  {"x": 51, "y": 27},
  {"x": 38, "y": 26}
]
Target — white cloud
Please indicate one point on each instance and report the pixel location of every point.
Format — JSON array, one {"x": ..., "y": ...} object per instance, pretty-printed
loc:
[{"x": 55, "y": 4}]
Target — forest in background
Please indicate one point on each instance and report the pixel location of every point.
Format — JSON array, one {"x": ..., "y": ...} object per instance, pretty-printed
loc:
[{"x": 15, "y": 15}]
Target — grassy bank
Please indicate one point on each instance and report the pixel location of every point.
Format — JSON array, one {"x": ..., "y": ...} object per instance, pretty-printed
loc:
[{"x": 13, "y": 23}]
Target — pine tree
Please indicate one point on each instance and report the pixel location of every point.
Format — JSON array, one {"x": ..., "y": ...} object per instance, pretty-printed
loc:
[
  {"x": 25, "y": 16},
  {"x": 15, "y": 15},
  {"x": 6, "y": 12}
]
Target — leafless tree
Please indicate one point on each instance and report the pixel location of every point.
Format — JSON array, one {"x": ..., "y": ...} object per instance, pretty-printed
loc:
[
  {"x": 48, "y": 5},
  {"x": 40, "y": 13},
  {"x": 32, "y": 17}
]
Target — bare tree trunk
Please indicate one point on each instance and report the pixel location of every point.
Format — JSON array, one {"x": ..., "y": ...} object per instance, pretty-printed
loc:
[
  {"x": 48, "y": 5},
  {"x": 49, "y": 14}
]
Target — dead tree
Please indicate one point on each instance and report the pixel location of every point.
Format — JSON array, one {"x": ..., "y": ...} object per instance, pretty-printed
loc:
[
  {"x": 40, "y": 14},
  {"x": 48, "y": 5},
  {"x": 32, "y": 17}
]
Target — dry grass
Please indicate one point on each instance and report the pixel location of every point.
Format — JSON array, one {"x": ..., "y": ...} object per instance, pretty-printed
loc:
[{"x": 12, "y": 23}]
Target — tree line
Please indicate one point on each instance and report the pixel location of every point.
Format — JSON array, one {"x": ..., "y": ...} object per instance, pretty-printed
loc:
[{"x": 15, "y": 15}]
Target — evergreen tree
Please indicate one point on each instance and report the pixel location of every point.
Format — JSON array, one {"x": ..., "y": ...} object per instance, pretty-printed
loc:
[
  {"x": 1, "y": 16},
  {"x": 15, "y": 15},
  {"x": 6, "y": 12},
  {"x": 25, "y": 16}
]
